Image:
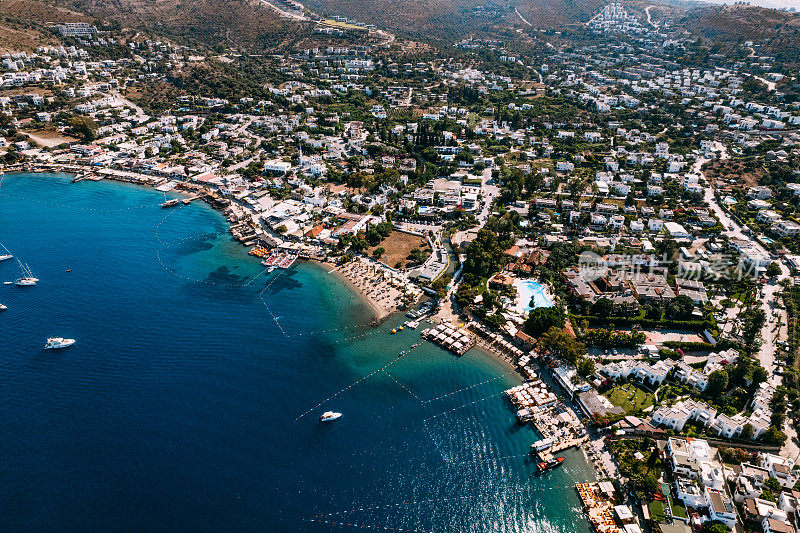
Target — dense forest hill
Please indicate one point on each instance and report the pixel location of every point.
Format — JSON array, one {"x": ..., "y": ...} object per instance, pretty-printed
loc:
[
  {"x": 237, "y": 24},
  {"x": 779, "y": 31}
]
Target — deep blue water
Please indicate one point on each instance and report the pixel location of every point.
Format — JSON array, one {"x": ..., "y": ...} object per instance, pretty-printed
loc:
[{"x": 181, "y": 407}]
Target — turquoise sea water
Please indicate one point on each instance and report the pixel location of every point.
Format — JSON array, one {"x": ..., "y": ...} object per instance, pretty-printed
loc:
[{"x": 189, "y": 402}]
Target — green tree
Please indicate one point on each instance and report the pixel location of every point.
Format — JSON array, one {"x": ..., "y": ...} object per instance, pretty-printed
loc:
[
  {"x": 602, "y": 307},
  {"x": 562, "y": 344},
  {"x": 377, "y": 252},
  {"x": 773, "y": 270},
  {"x": 714, "y": 526},
  {"x": 717, "y": 382},
  {"x": 759, "y": 375},
  {"x": 680, "y": 307},
  {"x": 586, "y": 366},
  {"x": 542, "y": 319}
]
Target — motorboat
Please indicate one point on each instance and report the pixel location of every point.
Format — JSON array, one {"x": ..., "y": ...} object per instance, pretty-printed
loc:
[
  {"x": 327, "y": 416},
  {"x": 54, "y": 343},
  {"x": 6, "y": 257},
  {"x": 550, "y": 464}
]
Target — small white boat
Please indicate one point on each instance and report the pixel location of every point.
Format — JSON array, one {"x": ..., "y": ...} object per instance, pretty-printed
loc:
[
  {"x": 270, "y": 269},
  {"x": 171, "y": 203},
  {"x": 327, "y": 416},
  {"x": 54, "y": 343},
  {"x": 6, "y": 257},
  {"x": 3, "y": 307},
  {"x": 27, "y": 279}
]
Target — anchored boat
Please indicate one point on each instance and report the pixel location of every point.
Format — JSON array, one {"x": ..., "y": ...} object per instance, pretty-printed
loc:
[
  {"x": 327, "y": 416},
  {"x": 54, "y": 343},
  {"x": 550, "y": 464}
]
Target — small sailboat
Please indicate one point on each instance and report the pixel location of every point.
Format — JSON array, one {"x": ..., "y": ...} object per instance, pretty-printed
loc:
[
  {"x": 327, "y": 416},
  {"x": 170, "y": 203},
  {"x": 27, "y": 279}
]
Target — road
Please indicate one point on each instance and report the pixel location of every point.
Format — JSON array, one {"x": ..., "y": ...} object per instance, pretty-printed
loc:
[
  {"x": 775, "y": 325},
  {"x": 769, "y": 293},
  {"x": 448, "y": 311},
  {"x": 141, "y": 116},
  {"x": 650, "y": 20},
  {"x": 522, "y": 18}
]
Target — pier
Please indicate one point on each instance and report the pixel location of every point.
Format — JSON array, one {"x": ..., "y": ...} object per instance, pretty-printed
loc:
[{"x": 450, "y": 338}]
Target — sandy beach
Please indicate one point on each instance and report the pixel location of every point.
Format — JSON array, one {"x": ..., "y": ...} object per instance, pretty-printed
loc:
[{"x": 385, "y": 291}]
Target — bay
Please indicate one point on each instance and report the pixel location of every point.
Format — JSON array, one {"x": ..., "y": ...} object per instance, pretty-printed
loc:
[{"x": 190, "y": 401}]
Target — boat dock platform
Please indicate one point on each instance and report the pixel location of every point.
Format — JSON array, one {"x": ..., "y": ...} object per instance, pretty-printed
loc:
[
  {"x": 455, "y": 340},
  {"x": 549, "y": 454},
  {"x": 187, "y": 201},
  {"x": 558, "y": 424},
  {"x": 280, "y": 259}
]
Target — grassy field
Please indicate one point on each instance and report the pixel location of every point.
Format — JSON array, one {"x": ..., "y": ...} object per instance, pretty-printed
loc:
[
  {"x": 629, "y": 397},
  {"x": 398, "y": 245},
  {"x": 656, "y": 511}
]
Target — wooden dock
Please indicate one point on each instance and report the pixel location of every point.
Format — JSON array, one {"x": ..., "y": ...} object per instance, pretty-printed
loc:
[{"x": 548, "y": 454}]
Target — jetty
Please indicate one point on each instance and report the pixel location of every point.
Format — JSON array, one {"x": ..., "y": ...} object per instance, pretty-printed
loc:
[
  {"x": 455, "y": 340},
  {"x": 559, "y": 425}
]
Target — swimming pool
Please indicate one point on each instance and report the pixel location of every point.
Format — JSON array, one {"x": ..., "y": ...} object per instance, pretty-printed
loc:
[{"x": 528, "y": 290}]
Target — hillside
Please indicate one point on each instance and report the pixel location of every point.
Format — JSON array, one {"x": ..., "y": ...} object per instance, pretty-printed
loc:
[
  {"x": 438, "y": 19},
  {"x": 22, "y": 25},
  {"x": 455, "y": 19},
  {"x": 778, "y": 31},
  {"x": 230, "y": 23}
]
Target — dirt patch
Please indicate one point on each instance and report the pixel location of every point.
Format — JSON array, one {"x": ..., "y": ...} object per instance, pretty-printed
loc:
[
  {"x": 746, "y": 172},
  {"x": 398, "y": 246},
  {"x": 50, "y": 138}
]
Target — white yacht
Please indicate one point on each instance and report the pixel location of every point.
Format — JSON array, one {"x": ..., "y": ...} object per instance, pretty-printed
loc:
[
  {"x": 3, "y": 307},
  {"x": 327, "y": 416},
  {"x": 6, "y": 257},
  {"x": 53, "y": 343},
  {"x": 27, "y": 279}
]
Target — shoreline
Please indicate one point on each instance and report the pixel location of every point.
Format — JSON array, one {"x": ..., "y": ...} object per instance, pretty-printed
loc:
[{"x": 379, "y": 314}]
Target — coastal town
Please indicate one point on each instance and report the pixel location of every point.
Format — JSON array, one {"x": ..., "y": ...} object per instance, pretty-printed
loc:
[{"x": 615, "y": 217}]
